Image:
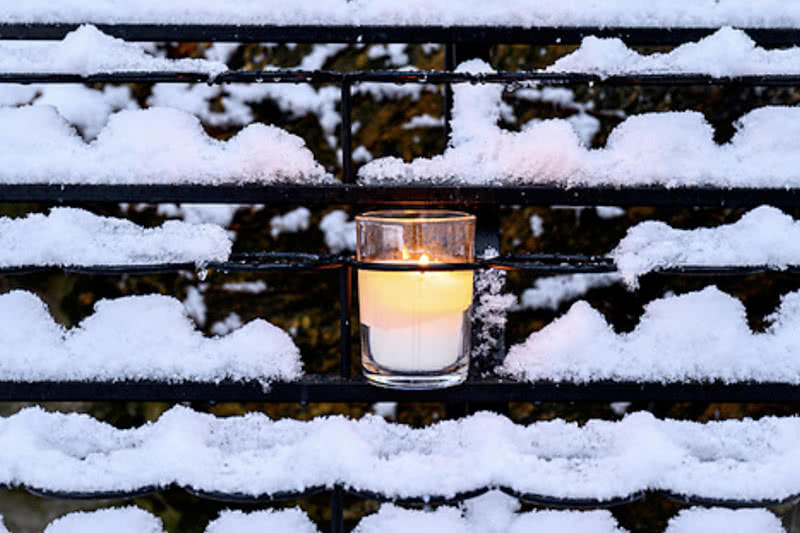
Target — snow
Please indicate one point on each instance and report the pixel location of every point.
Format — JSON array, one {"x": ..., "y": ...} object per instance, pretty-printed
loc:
[
  {"x": 119, "y": 520},
  {"x": 670, "y": 149},
  {"x": 607, "y": 212},
  {"x": 492, "y": 512},
  {"x": 70, "y": 236},
  {"x": 699, "y": 520},
  {"x": 489, "y": 308},
  {"x": 154, "y": 146},
  {"x": 764, "y": 236},
  {"x": 136, "y": 338},
  {"x": 728, "y": 52},
  {"x": 249, "y": 287},
  {"x": 423, "y": 121},
  {"x": 253, "y": 454},
  {"x": 698, "y": 336},
  {"x": 195, "y": 304},
  {"x": 87, "y": 51},
  {"x": 86, "y": 108},
  {"x": 275, "y": 521},
  {"x": 551, "y": 292},
  {"x": 218, "y": 214},
  {"x": 231, "y": 322},
  {"x": 537, "y": 225},
  {"x": 527, "y": 13},
  {"x": 295, "y": 220},
  {"x": 340, "y": 233}
]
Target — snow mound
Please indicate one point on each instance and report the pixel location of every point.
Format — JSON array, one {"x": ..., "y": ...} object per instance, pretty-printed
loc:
[
  {"x": 119, "y": 520},
  {"x": 136, "y": 338},
  {"x": 765, "y": 236},
  {"x": 87, "y": 50},
  {"x": 728, "y": 52},
  {"x": 669, "y": 149},
  {"x": 699, "y": 336},
  {"x": 697, "y": 520},
  {"x": 493, "y": 512},
  {"x": 282, "y": 521},
  {"x": 69, "y": 236},
  {"x": 153, "y": 146}
]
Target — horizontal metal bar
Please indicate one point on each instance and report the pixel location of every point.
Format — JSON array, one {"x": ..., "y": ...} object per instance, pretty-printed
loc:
[
  {"x": 543, "y": 264},
  {"x": 429, "y": 195},
  {"x": 333, "y": 389},
  {"x": 543, "y": 195},
  {"x": 249, "y": 262},
  {"x": 433, "y": 499},
  {"x": 539, "y": 35},
  {"x": 401, "y": 77}
]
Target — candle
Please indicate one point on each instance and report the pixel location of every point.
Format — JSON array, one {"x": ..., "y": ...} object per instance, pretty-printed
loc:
[
  {"x": 415, "y": 324},
  {"x": 415, "y": 320}
]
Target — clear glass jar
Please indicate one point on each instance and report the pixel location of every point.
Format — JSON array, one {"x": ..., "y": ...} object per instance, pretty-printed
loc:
[{"x": 415, "y": 325}]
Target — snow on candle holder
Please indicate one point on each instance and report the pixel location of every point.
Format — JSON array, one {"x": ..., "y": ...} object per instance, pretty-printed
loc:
[{"x": 414, "y": 307}]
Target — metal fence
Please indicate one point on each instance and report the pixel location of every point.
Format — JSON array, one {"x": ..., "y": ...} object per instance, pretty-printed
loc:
[{"x": 345, "y": 387}]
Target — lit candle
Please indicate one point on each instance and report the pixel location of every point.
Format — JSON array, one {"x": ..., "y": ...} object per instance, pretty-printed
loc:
[
  {"x": 415, "y": 320},
  {"x": 415, "y": 325}
]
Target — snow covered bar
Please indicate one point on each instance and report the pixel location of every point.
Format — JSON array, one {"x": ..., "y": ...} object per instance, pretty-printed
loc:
[{"x": 253, "y": 458}]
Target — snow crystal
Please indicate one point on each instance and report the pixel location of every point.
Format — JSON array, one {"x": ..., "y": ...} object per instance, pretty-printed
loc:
[
  {"x": 196, "y": 99},
  {"x": 489, "y": 309},
  {"x": 274, "y": 521},
  {"x": 699, "y": 520},
  {"x": 251, "y": 287},
  {"x": 136, "y": 338},
  {"x": 252, "y": 454},
  {"x": 151, "y": 146},
  {"x": 119, "y": 520},
  {"x": 387, "y": 410},
  {"x": 699, "y": 336},
  {"x": 763, "y": 236},
  {"x": 670, "y": 149},
  {"x": 527, "y": 13},
  {"x": 551, "y": 292},
  {"x": 362, "y": 155},
  {"x": 728, "y": 52},
  {"x": 87, "y": 50},
  {"x": 340, "y": 233},
  {"x": 69, "y": 236},
  {"x": 13, "y": 94},
  {"x": 296, "y": 220}
]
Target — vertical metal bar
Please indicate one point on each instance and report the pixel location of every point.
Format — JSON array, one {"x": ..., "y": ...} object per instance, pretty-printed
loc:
[
  {"x": 346, "y": 109},
  {"x": 345, "y": 312},
  {"x": 449, "y": 65},
  {"x": 337, "y": 510}
]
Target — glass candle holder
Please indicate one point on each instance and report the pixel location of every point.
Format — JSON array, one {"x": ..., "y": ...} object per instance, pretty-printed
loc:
[{"x": 415, "y": 325}]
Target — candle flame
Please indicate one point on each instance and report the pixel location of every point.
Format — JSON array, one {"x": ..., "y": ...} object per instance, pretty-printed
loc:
[
  {"x": 405, "y": 253},
  {"x": 423, "y": 260}
]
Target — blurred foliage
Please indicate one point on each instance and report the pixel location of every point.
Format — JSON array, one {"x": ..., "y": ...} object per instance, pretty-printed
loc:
[{"x": 302, "y": 302}]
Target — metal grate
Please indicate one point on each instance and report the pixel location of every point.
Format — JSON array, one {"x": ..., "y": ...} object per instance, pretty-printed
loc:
[{"x": 344, "y": 388}]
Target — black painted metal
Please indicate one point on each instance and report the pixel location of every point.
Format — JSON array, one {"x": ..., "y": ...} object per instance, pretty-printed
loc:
[
  {"x": 401, "y": 77},
  {"x": 334, "y": 389},
  {"x": 345, "y": 317},
  {"x": 348, "y": 175},
  {"x": 385, "y": 34},
  {"x": 428, "y": 195},
  {"x": 572, "y": 503},
  {"x": 433, "y": 499},
  {"x": 337, "y": 510}
]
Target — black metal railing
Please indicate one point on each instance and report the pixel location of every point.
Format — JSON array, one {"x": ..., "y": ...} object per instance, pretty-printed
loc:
[{"x": 344, "y": 387}]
